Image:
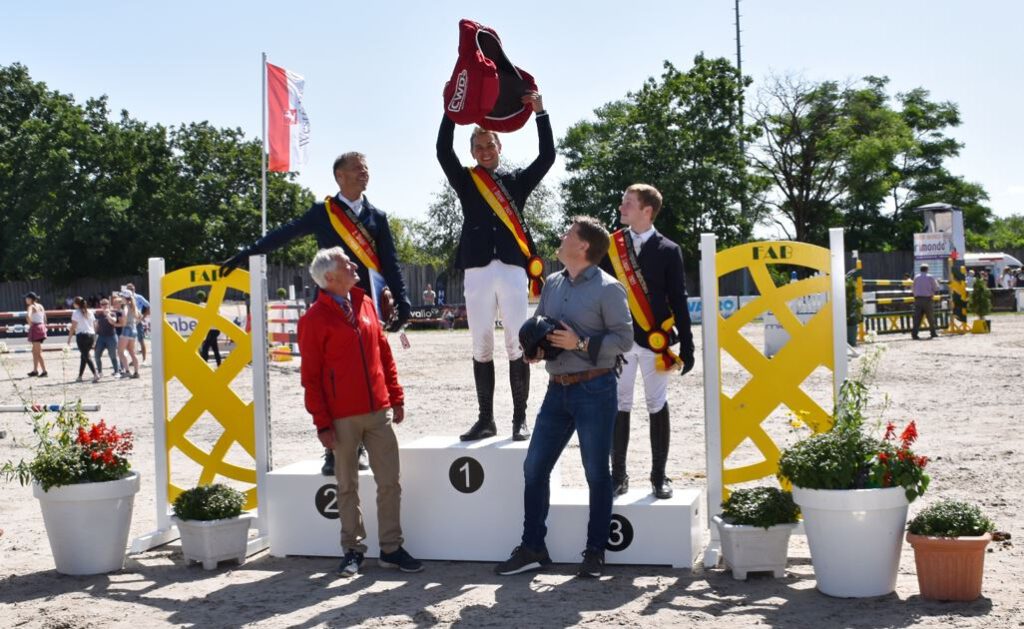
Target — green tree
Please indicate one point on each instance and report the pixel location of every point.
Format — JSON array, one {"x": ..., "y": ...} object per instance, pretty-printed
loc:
[
  {"x": 680, "y": 134},
  {"x": 1002, "y": 234},
  {"x": 83, "y": 195},
  {"x": 848, "y": 156}
]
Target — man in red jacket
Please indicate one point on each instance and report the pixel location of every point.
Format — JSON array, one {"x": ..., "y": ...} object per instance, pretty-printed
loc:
[{"x": 352, "y": 392}]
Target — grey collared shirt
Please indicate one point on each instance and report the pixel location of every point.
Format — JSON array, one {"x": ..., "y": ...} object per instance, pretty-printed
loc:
[{"x": 594, "y": 306}]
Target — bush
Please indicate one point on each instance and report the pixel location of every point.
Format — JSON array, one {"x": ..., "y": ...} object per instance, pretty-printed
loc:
[
  {"x": 282, "y": 292},
  {"x": 209, "y": 502},
  {"x": 760, "y": 506},
  {"x": 951, "y": 518},
  {"x": 831, "y": 460},
  {"x": 854, "y": 306},
  {"x": 980, "y": 302}
]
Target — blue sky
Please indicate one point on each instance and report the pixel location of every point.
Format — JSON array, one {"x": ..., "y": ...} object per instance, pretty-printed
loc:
[{"x": 374, "y": 71}]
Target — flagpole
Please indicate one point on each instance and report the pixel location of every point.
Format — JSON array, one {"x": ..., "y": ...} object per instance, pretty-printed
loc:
[{"x": 263, "y": 153}]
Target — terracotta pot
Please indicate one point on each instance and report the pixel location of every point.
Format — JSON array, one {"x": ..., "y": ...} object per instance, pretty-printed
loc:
[{"x": 949, "y": 568}]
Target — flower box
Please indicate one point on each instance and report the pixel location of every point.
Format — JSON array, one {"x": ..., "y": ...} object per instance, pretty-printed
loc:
[
  {"x": 211, "y": 541},
  {"x": 754, "y": 548}
]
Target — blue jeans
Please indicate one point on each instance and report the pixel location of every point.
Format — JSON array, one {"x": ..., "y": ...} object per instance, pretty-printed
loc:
[
  {"x": 108, "y": 343},
  {"x": 587, "y": 408}
]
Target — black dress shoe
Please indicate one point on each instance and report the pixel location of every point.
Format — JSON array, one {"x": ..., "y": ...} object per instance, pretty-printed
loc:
[
  {"x": 662, "y": 490},
  {"x": 520, "y": 432},
  {"x": 328, "y": 467},
  {"x": 482, "y": 429},
  {"x": 620, "y": 486}
]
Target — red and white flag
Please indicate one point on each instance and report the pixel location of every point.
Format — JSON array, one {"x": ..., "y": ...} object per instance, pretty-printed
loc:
[{"x": 287, "y": 124}]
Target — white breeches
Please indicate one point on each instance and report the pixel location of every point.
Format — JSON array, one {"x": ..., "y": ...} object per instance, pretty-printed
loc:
[
  {"x": 655, "y": 382},
  {"x": 497, "y": 286}
]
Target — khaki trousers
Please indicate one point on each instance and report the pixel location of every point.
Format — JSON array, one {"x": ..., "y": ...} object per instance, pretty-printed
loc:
[{"x": 374, "y": 430}]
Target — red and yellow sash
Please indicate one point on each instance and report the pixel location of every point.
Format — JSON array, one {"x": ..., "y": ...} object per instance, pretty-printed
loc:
[
  {"x": 353, "y": 233},
  {"x": 627, "y": 270},
  {"x": 502, "y": 206}
]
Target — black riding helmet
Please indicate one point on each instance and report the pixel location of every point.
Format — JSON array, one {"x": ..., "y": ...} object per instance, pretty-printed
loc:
[{"x": 533, "y": 334}]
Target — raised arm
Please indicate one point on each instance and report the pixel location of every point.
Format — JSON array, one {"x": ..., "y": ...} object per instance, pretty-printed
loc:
[
  {"x": 533, "y": 173},
  {"x": 446, "y": 156}
]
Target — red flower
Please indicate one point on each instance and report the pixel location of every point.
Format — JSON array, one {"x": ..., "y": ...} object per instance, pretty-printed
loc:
[
  {"x": 94, "y": 455},
  {"x": 883, "y": 457},
  {"x": 921, "y": 461},
  {"x": 909, "y": 434},
  {"x": 890, "y": 431}
]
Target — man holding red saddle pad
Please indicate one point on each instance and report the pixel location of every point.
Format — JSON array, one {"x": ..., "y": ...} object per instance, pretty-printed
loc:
[{"x": 495, "y": 248}]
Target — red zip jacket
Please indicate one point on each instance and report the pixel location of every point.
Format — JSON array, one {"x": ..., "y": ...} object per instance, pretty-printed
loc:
[{"x": 346, "y": 370}]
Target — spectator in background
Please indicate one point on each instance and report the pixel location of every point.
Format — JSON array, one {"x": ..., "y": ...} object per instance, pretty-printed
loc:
[
  {"x": 127, "y": 326},
  {"x": 1007, "y": 280},
  {"x": 429, "y": 296},
  {"x": 106, "y": 338},
  {"x": 35, "y": 317},
  {"x": 925, "y": 288},
  {"x": 142, "y": 305},
  {"x": 83, "y": 328},
  {"x": 210, "y": 343},
  {"x": 971, "y": 279}
]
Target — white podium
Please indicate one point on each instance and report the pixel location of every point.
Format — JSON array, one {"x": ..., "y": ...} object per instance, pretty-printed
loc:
[{"x": 464, "y": 501}]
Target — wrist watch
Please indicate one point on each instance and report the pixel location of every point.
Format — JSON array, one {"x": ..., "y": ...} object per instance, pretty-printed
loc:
[{"x": 581, "y": 344}]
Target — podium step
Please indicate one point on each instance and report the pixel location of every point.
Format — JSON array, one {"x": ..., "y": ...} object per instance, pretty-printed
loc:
[
  {"x": 464, "y": 501},
  {"x": 643, "y": 530}
]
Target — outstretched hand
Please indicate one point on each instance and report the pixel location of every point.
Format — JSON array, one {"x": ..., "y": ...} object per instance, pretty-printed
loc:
[
  {"x": 232, "y": 263},
  {"x": 535, "y": 100}
]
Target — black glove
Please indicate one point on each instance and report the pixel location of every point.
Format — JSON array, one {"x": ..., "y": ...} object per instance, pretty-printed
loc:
[
  {"x": 688, "y": 362},
  {"x": 404, "y": 312},
  {"x": 235, "y": 261}
]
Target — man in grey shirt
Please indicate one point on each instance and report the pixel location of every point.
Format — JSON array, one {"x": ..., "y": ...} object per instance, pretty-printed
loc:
[
  {"x": 581, "y": 394},
  {"x": 925, "y": 287}
]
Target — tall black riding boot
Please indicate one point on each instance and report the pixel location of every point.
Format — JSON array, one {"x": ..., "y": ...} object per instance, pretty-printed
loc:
[
  {"x": 519, "y": 379},
  {"x": 660, "y": 431},
  {"x": 620, "y": 443},
  {"x": 483, "y": 375}
]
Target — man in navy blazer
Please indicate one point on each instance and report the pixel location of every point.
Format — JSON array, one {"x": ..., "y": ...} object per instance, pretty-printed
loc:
[
  {"x": 650, "y": 266},
  {"x": 353, "y": 175}
]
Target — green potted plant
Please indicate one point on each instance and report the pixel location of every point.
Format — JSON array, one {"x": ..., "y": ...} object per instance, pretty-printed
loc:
[
  {"x": 853, "y": 490},
  {"x": 754, "y": 526},
  {"x": 949, "y": 540},
  {"x": 854, "y": 311},
  {"x": 86, "y": 489},
  {"x": 980, "y": 303},
  {"x": 211, "y": 530},
  {"x": 282, "y": 292}
]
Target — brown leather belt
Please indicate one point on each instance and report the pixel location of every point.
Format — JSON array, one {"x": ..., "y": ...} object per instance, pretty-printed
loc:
[{"x": 565, "y": 379}]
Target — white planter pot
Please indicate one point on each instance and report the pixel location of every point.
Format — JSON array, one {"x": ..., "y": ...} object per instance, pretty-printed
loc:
[
  {"x": 754, "y": 548},
  {"x": 88, "y": 523},
  {"x": 855, "y": 538},
  {"x": 213, "y": 541}
]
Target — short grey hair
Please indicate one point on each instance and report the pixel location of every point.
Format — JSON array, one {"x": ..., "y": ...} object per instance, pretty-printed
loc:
[{"x": 324, "y": 261}]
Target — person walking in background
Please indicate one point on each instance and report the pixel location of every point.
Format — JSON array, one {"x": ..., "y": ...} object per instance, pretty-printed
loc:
[
  {"x": 210, "y": 343},
  {"x": 925, "y": 287},
  {"x": 128, "y": 331},
  {"x": 142, "y": 306},
  {"x": 429, "y": 296},
  {"x": 35, "y": 317},
  {"x": 106, "y": 338},
  {"x": 83, "y": 329}
]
